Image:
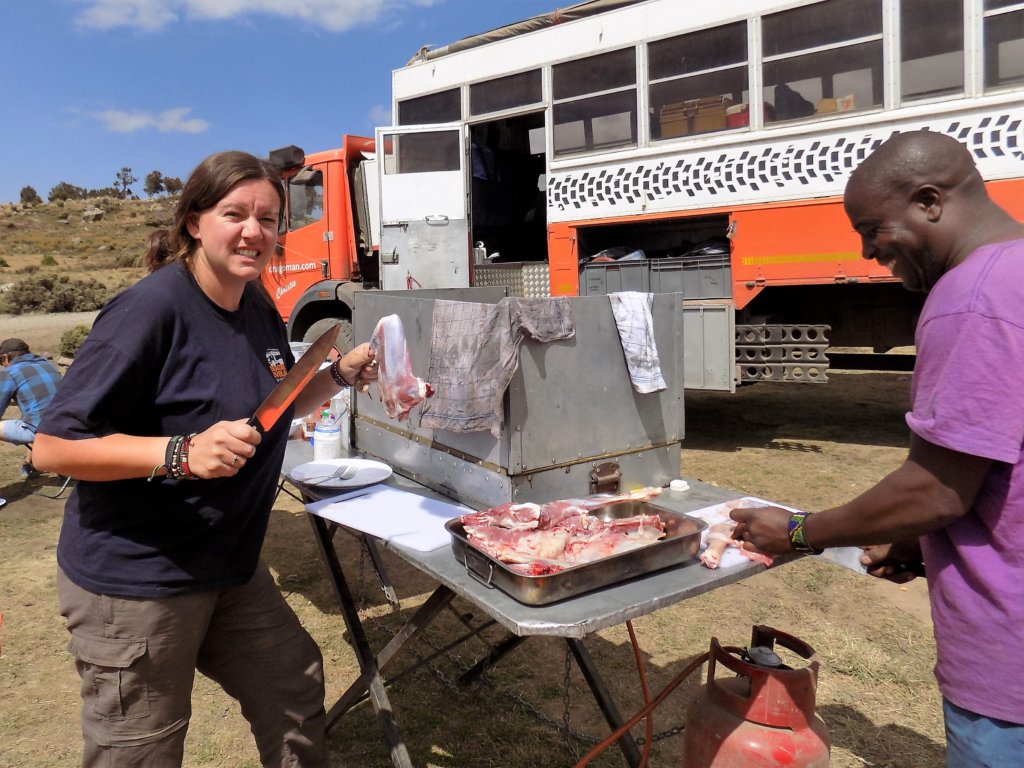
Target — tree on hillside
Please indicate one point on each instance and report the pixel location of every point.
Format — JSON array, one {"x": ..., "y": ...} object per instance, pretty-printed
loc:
[
  {"x": 172, "y": 185},
  {"x": 29, "y": 196},
  {"x": 124, "y": 182},
  {"x": 65, "y": 191},
  {"x": 154, "y": 184},
  {"x": 105, "y": 192}
]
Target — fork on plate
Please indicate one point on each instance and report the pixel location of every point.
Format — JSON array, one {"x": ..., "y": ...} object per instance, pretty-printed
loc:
[{"x": 342, "y": 472}]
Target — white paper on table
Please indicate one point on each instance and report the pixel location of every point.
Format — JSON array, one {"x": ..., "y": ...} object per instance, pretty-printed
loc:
[
  {"x": 392, "y": 514},
  {"x": 846, "y": 557}
]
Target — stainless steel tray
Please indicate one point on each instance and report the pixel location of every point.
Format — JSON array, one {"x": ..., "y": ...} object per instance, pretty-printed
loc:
[{"x": 681, "y": 543}]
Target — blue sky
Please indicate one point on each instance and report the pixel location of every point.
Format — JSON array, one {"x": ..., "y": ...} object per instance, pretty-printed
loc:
[{"x": 90, "y": 86}]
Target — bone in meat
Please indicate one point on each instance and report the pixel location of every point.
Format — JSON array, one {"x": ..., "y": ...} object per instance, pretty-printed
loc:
[
  {"x": 510, "y": 515},
  {"x": 640, "y": 494},
  {"x": 720, "y": 538},
  {"x": 639, "y": 526},
  {"x": 400, "y": 389},
  {"x": 569, "y": 515}
]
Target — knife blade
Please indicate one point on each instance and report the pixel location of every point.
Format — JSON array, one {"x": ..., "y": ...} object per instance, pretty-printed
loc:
[{"x": 294, "y": 382}]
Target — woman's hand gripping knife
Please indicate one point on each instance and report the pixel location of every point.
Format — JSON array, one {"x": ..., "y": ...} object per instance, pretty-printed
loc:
[{"x": 222, "y": 450}]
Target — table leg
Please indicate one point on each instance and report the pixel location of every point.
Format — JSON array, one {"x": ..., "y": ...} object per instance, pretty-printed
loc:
[
  {"x": 423, "y": 616},
  {"x": 604, "y": 700},
  {"x": 367, "y": 662},
  {"x": 382, "y": 576}
]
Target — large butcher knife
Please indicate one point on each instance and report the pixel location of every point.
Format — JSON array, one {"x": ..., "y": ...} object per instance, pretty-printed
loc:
[{"x": 294, "y": 382}]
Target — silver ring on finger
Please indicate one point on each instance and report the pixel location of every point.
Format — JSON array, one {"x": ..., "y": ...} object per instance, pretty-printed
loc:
[{"x": 234, "y": 460}]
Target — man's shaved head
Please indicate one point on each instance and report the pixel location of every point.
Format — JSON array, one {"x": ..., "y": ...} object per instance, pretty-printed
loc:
[
  {"x": 908, "y": 160},
  {"x": 920, "y": 207}
]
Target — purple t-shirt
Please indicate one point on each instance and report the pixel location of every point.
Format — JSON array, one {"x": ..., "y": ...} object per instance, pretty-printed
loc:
[{"x": 968, "y": 395}]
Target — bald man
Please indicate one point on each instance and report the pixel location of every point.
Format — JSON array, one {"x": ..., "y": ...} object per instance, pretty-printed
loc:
[{"x": 956, "y": 505}]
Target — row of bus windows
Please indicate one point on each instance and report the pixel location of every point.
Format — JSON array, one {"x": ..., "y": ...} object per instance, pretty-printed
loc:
[{"x": 814, "y": 60}]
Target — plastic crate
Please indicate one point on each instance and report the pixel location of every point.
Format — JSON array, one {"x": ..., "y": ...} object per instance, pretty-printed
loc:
[
  {"x": 613, "y": 276},
  {"x": 667, "y": 276},
  {"x": 701, "y": 278}
]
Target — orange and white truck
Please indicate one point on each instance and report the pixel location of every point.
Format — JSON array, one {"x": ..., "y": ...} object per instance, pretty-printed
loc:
[{"x": 618, "y": 145}]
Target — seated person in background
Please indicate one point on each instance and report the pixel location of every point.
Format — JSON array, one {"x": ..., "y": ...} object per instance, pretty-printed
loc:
[{"x": 30, "y": 380}]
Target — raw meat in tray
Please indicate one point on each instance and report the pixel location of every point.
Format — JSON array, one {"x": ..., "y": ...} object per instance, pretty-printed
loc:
[{"x": 542, "y": 553}]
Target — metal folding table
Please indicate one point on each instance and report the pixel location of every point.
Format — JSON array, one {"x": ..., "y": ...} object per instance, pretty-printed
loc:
[{"x": 573, "y": 619}]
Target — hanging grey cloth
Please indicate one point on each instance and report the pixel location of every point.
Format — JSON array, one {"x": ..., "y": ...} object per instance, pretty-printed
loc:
[{"x": 474, "y": 351}]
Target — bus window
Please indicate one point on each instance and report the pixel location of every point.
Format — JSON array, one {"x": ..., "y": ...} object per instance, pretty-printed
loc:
[
  {"x": 931, "y": 48},
  {"x": 421, "y": 152},
  {"x": 1004, "y": 45},
  {"x": 504, "y": 93},
  {"x": 698, "y": 82},
  {"x": 305, "y": 198},
  {"x": 595, "y": 102},
  {"x": 443, "y": 107},
  {"x": 822, "y": 58}
]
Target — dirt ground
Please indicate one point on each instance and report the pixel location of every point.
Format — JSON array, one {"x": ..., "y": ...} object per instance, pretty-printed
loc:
[{"x": 808, "y": 446}]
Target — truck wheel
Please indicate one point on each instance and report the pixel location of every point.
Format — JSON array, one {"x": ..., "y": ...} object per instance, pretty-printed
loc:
[{"x": 346, "y": 338}]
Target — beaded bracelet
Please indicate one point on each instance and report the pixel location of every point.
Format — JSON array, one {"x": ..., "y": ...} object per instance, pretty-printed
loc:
[
  {"x": 186, "y": 444},
  {"x": 183, "y": 460},
  {"x": 169, "y": 451},
  {"x": 176, "y": 459},
  {"x": 336, "y": 374},
  {"x": 797, "y": 537}
]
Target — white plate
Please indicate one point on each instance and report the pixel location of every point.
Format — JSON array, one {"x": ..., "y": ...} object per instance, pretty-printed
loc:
[{"x": 319, "y": 473}]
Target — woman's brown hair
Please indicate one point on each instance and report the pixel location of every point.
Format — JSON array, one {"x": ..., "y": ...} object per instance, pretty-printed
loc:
[{"x": 212, "y": 179}]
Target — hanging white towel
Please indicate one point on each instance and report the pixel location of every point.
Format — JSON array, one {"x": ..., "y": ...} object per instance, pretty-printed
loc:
[{"x": 633, "y": 318}]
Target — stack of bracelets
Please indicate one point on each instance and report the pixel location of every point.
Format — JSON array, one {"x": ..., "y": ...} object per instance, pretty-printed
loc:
[
  {"x": 176, "y": 459},
  {"x": 336, "y": 374}
]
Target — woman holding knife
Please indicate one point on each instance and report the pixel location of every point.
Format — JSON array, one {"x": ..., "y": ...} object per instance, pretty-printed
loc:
[{"x": 159, "y": 571}]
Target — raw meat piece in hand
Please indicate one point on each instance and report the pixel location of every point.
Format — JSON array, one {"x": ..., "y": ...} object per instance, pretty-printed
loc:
[
  {"x": 720, "y": 538},
  {"x": 400, "y": 389}
]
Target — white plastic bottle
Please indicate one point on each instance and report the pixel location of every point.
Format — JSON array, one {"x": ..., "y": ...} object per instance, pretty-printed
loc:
[{"x": 326, "y": 438}]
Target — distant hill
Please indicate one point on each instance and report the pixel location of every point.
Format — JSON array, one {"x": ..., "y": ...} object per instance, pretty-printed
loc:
[{"x": 100, "y": 238}]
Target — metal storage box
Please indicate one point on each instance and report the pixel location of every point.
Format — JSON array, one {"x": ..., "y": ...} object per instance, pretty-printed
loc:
[
  {"x": 529, "y": 279},
  {"x": 570, "y": 410}
]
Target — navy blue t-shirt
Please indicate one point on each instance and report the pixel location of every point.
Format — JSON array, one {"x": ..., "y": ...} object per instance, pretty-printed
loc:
[{"x": 162, "y": 359}]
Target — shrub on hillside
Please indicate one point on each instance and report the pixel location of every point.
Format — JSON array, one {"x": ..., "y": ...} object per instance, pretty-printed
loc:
[
  {"x": 30, "y": 197},
  {"x": 53, "y": 293},
  {"x": 48, "y": 260},
  {"x": 65, "y": 191},
  {"x": 71, "y": 340}
]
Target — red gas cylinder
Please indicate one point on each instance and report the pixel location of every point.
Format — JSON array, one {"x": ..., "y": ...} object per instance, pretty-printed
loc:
[{"x": 764, "y": 717}]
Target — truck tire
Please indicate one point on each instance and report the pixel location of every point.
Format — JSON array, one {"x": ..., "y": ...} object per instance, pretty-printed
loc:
[{"x": 346, "y": 337}]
